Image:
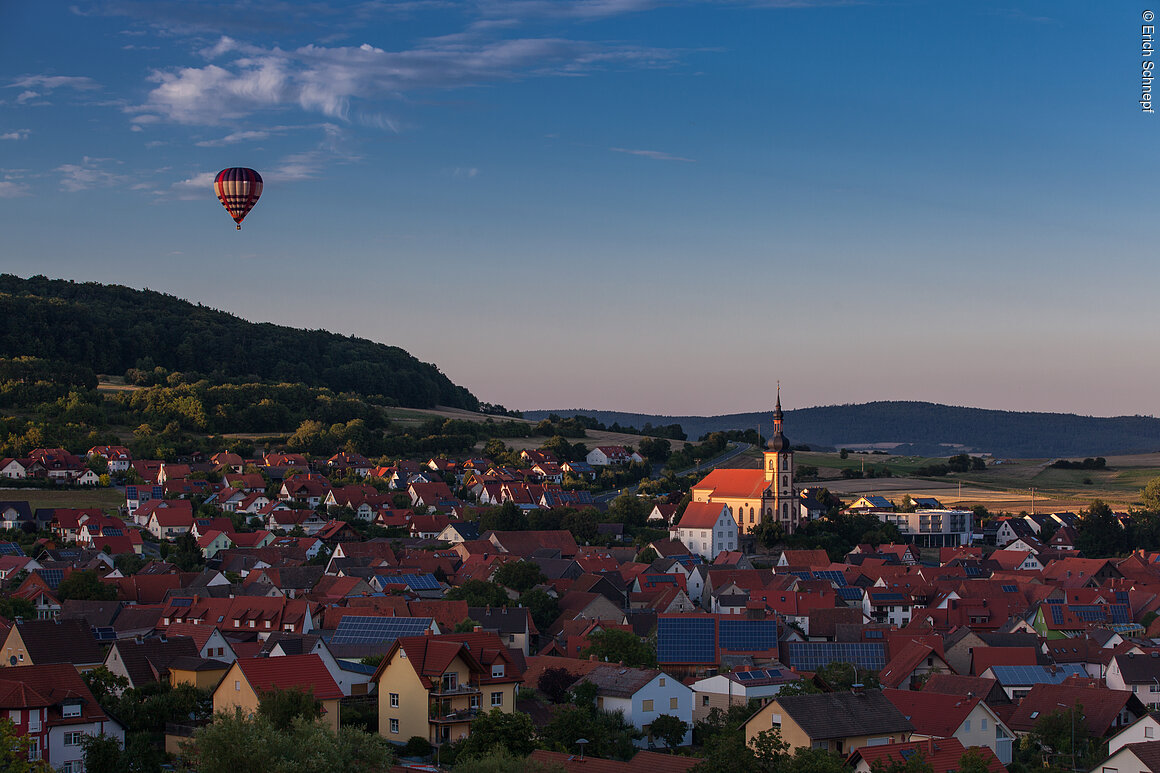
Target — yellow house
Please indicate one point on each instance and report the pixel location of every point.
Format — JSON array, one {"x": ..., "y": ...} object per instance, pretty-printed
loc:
[
  {"x": 248, "y": 677},
  {"x": 202, "y": 673},
  {"x": 839, "y": 722},
  {"x": 434, "y": 686},
  {"x": 40, "y": 642}
]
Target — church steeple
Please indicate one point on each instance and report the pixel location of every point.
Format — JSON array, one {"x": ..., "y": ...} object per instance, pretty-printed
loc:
[{"x": 778, "y": 442}]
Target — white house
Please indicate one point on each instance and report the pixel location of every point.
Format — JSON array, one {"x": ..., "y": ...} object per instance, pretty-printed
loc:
[
  {"x": 737, "y": 688},
  {"x": 1144, "y": 730},
  {"x": 642, "y": 695},
  {"x": 13, "y": 469},
  {"x": 603, "y": 456},
  {"x": 887, "y": 606},
  {"x": 707, "y": 528}
]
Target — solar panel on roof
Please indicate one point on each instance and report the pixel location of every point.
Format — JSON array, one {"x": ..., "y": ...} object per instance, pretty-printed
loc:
[
  {"x": 51, "y": 576},
  {"x": 363, "y": 629},
  {"x": 104, "y": 633},
  {"x": 181, "y": 602},
  {"x": 1010, "y": 588},
  {"x": 850, "y": 593},
  {"x": 836, "y": 577},
  {"x": 110, "y": 531},
  {"x": 1121, "y": 597},
  {"x": 686, "y": 640},
  {"x": 10, "y": 549},
  {"x": 1056, "y": 613},
  {"x": 810, "y": 656},
  {"x": 1121, "y": 613},
  {"x": 873, "y": 633},
  {"x": 888, "y": 597},
  {"x": 745, "y": 676},
  {"x": 747, "y": 635},
  {"x": 1088, "y": 612}
]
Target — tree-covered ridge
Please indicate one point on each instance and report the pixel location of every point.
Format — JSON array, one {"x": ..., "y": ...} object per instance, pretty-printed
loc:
[
  {"x": 926, "y": 429},
  {"x": 115, "y": 329}
]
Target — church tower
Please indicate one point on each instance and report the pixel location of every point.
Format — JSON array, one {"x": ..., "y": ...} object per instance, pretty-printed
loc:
[{"x": 781, "y": 500}]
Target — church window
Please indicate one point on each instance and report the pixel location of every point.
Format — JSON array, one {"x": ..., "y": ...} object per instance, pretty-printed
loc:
[
  {"x": 785, "y": 481},
  {"x": 751, "y": 515},
  {"x": 785, "y": 510}
]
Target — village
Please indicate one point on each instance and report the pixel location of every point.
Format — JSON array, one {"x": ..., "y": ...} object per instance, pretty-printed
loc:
[{"x": 446, "y": 606}]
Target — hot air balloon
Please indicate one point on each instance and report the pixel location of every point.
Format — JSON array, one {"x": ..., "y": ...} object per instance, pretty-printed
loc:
[{"x": 238, "y": 189}]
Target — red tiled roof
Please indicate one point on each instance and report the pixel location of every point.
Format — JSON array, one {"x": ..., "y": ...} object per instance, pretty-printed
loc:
[
  {"x": 931, "y": 713},
  {"x": 941, "y": 755},
  {"x": 288, "y": 672}
]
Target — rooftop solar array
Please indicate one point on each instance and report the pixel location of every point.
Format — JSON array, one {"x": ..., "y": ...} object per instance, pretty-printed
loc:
[
  {"x": 850, "y": 593},
  {"x": 112, "y": 531},
  {"x": 360, "y": 629},
  {"x": 810, "y": 656},
  {"x": 412, "y": 581},
  {"x": 51, "y": 576},
  {"x": 895, "y": 597},
  {"x": 686, "y": 640},
  {"x": 10, "y": 549},
  {"x": 834, "y": 576},
  {"x": 1121, "y": 597},
  {"x": 1010, "y": 588},
  {"x": 1120, "y": 613},
  {"x": 747, "y": 635},
  {"x": 758, "y": 674},
  {"x": 1020, "y": 675},
  {"x": 1091, "y": 613},
  {"x": 104, "y": 633}
]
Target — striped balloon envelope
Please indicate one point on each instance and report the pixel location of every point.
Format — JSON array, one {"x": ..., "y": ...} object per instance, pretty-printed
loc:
[{"x": 238, "y": 189}]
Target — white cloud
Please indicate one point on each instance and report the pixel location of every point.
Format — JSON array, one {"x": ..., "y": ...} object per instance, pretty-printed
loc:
[
  {"x": 49, "y": 83},
  {"x": 199, "y": 186},
  {"x": 25, "y": 96},
  {"x": 19, "y": 134},
  {"x": 233, "y": 138},
  {"x": 90, "y": 173},
  {"x": 11, "y": 190},
  {"x": 327, "y": 80},
  {"x": 656, "y": 155},
  {"x": 465, "y": 171}
]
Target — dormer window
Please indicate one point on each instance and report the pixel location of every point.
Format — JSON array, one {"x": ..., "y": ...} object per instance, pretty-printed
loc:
[
  {"x": 70, "y": 710},
  {"x": 496, "y": 670}
]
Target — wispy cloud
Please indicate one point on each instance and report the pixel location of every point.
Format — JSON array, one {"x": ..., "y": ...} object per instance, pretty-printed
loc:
[
  {"x": 656, "y": 155},
  {"x": 326, "y": 80},
  {"x": 90, "y": 173},
  {"x": 19, "y": 134},
  {"x": 12, "y": 190},
  {"x": 199, "y": 186}
]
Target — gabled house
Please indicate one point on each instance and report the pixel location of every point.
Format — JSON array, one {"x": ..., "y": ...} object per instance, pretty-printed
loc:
[
  {"x": 968, "y": 719},
  {"x": 939, "y": 756},
  {"x": 42, "y": 642},
  {"x": 707, "y": 528},
  {"x": 247, "y": 678},
  {"x": 434, "y": 686},
  {"x": 642, "y": 695},
  {"x": 52, "y": 705},
  {"x": 839, "y": 722},
  {"x": 1138, "y": 674}
]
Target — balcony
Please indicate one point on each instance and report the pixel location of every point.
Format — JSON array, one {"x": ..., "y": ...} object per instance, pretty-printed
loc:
[
  {"x": 452, "y": 717},
  {"x": 442, "y": 690}
]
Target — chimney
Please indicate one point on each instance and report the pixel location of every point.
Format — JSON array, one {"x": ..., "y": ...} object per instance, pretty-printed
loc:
[{"x": 477, "y": 629}]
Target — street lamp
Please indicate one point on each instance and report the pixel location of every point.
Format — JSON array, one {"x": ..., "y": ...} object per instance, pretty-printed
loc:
[{"x": 855, "y": 685}]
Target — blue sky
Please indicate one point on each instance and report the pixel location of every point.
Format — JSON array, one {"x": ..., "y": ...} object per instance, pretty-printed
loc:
[{"x": 631, "y": 205}]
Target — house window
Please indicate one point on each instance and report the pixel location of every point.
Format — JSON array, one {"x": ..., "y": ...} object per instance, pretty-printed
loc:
[
  {"x": 967, "y": 726},
  {"x": 704, "y": 700},
  {"x": 1149, "y": 731},
  {"x": 33, "y": 749},
  {"x": 497, "y": 699},
  {"x": 73, "y": 738},
  {"x": 474, "y": 701},
  {"x": 237, "y": 685},
  {"x": 395, "y": 726},
  {"x": 70, "y": 710},
  {"x": 34, "y": 721},
  {"x": 497, "y": 670},
  {"x": 983, "y": 724},
  {"x": 672, "y": 703},
  {"x": 394, "y": 700},
  {"x": 646, "y": 705},
  {"x": 450, "y": 681},
  {"x": 662, "y": 681}
]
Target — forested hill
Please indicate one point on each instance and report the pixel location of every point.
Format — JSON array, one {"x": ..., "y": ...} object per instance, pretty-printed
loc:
[
  {"x": 113, "y": 329},
  {"x": 925, "y": 428}
]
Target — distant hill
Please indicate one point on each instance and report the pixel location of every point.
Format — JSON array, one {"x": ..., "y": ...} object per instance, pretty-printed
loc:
[
  {"x": 926, "y": 429},
  {"x": 112, "y": 329}
]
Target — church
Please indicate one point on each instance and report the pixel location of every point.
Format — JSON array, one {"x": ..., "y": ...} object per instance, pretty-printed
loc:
[{"x": 753, "y": 495}]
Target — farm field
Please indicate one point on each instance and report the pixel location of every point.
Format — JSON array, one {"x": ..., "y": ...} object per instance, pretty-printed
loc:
[
  {"x": 1006, "y": 485},
  {"x": 108, "y": 499}
]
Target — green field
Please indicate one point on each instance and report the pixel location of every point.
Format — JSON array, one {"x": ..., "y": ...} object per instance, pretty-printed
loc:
[{"x": 108, "y": 499}]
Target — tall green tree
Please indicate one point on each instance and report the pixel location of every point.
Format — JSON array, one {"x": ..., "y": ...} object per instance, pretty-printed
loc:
[
  {"x": 85, "y": 585},
  {"x": 617, "y": 646},
  {"x": 513, "y": 732}
]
